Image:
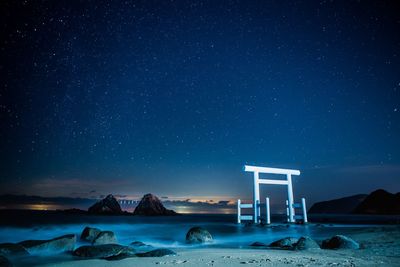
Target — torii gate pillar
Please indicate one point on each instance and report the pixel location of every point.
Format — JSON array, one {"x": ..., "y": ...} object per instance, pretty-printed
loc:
[{"x": 257, "y": 181}]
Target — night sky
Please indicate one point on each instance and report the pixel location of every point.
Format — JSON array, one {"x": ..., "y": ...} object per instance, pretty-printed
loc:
[{"x": 174, "y": 97}]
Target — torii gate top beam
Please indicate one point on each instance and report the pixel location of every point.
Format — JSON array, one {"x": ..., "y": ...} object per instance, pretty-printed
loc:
[{"x": 249, "y": 168}]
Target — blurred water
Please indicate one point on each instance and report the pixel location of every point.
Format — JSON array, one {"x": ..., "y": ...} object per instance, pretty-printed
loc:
[{"x": 159, "y": 231}]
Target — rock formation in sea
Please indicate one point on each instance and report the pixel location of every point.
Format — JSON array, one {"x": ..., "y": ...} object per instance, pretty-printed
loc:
[
  {"x": 150, "y": 205},
  {"x": 379, "y": 202},
  {"x": 108, "y": 205}
]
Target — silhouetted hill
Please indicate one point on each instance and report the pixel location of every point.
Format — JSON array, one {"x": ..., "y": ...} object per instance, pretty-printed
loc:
[
  {"x": 379, "y": 202},
  {"x": 343, "y": 205}
]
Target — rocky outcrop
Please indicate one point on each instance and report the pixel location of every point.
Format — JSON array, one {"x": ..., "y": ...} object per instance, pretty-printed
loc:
[
  {"x": 379, "y": 202},
  {"x": 89, "y": 234},
  {"x": 105, "y": 237},
  {"x": 258, "y": 244},
  {"x": 156, "y": 253},
  {"x": 306, "y": 243},
  {"x": 106, "y": 206},
  {"x": 343, "y": 205},
  {"x": 285, "y": 243},
  {"x": 150, "y": 205},
  {"x": 198, "y": 235},
  {"x": 55, "y": 245},
  {"x": 12, "y": 249},
  {"x": 104, "y": 251},
  {"x": 340, "y": 242}
]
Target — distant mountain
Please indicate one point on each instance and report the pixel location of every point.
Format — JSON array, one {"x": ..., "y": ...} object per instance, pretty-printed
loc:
[
  {"x": 345, "y": 205},
  {"x": 379, "y": 202}
]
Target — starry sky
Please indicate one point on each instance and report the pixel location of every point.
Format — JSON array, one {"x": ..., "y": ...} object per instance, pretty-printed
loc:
[{"x": 174, "y": 97}]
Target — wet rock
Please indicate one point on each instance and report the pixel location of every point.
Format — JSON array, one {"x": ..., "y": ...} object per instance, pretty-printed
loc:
[
  {"x": 150, "y": 205},
  {"x": 306, "y": 243},
  {"x": 89, "y": 234},
  {"x": 4, "y": 262},
  {"x": 157, "y": 253},
  {"x": 258, "y": 244},
  {"x": 340, "y": 242},
  {"x": 284, "y": 243},
  {"x": 104, "y": 251},
  {"x": 138, "y": 244},
  {"x": 12, "y": 249},
  {"x": 105, "y": 237},
  {"x": 198, "y": 235},
  {"x": 58, "y": 244}
]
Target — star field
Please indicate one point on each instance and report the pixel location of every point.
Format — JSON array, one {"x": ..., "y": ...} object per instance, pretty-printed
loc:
[{"x": 175, "y": 97}]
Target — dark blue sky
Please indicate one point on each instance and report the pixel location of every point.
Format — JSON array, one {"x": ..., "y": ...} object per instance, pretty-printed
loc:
[{"x": 174, "y": 97}]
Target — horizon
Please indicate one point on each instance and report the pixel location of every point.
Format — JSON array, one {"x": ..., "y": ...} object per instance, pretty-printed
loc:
[{"x": 175, "y": 98}]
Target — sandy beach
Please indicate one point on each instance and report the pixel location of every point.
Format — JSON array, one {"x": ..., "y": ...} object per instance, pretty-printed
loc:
[{"x": 380, "y": 247}]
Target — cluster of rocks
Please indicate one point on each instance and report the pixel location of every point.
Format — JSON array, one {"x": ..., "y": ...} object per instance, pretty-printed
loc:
[
  {"x": 100, "y": 245},
  {"x": 307, "y": 243}
]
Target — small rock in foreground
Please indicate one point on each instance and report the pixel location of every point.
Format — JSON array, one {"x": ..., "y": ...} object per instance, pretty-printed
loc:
[
  {"x": 103, "y": 251},
  {"x": 58, "y": 244},
  {"x": 198, "y": 235},
  {"x": 89, "y": 234},
  {"x": 105, "y": 237},
  {"x": 157, "y": 253},
  {"x": 340, "y": 242},
  {"x": 284, "y": 243},
  {"x": 306, "y": 243},
  {"x": 12, "y": 249}
]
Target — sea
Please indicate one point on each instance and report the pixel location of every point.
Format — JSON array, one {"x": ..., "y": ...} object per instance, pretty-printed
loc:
[{"x": 170, "y": 231}]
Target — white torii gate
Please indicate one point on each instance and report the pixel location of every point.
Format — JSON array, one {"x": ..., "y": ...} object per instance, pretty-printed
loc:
[{"x": 257, "y": 181}]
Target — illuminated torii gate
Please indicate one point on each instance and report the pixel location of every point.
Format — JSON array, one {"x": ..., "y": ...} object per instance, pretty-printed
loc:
[{"x": 256, "y": 191}]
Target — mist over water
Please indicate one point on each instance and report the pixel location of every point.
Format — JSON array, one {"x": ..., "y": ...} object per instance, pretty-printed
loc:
[{"x": 160, "y": 231}]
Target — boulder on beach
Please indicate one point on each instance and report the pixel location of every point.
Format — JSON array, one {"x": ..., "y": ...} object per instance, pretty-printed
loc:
[
  {"x": 89, "y": 234},
  {"x": 58, "y": 244},
  {"x": 198, "y": 235},
  {"x": 306, "y": 243},
  {"x": 12, "y": 250},
  {"x": 103, "y": 251},
  {"x": 156, "y": 253},
  {"x": 150, "y": 205},
  {"x": 4, "y": 262},
  {"x": 284, "y": 243},
  {"x": 340, "y": 242},
  {"x": 105, "y": 237},
  {"x": 106, "y": 206},
  {"x": 258, "y": 244}
]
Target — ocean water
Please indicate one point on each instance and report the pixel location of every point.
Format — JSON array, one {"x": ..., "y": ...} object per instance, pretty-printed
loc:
[{"x": 170, "y": 231}]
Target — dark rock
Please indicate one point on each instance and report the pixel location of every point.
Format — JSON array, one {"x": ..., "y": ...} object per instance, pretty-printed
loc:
[
  {"x": 380, "y": 202},
  {"x": 198, "y": 235},
  {"x": 150, "y": 205},
  {"x": 4, "y": 262},
  {"x": 258, "y": 244},
  {"x": 343, "y": 205},
  {"x": 104, "y": 251},
  {"x": 340, "y": 242},
  {"x": 105, "y": 237},
  {"x": 306, "y": 243},
  {"x": 12, "y": 249},
  {"x": 138, "y": 244},
  {"x": 108, "y": 205},
  {"x": 156, "y": 253},
  {"x": 89, "y": 234},
  {"x": 59, "y": 244},
  {"x": 285, "y": 243}
]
